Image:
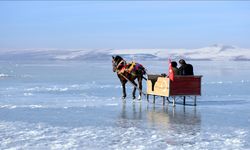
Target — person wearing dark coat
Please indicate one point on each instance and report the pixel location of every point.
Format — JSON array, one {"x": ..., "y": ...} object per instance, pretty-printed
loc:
[{"x": 185, "y": 69}]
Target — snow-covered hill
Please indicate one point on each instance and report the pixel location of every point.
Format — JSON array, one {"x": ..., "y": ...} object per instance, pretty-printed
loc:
[{"x": 214, "y": 52}]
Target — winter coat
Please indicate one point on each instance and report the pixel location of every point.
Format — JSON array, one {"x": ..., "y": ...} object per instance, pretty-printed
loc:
[{"x": 186, "y": 69}]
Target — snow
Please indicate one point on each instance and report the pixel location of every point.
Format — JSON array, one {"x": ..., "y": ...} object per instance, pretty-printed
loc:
[{"x": 215, "y": 52}]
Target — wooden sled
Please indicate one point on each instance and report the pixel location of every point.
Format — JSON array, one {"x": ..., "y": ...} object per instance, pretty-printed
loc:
[{"x": 180, "y": 88}]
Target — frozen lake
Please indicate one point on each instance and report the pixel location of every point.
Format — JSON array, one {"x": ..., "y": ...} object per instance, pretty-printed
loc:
[{"x": 77, "y": 105}]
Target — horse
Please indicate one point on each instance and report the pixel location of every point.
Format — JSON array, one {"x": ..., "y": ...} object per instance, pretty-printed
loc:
[{"x": 128, "y": 71}]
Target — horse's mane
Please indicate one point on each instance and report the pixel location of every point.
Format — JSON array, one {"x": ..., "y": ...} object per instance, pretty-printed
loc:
[{"x": 118, "y": 58}]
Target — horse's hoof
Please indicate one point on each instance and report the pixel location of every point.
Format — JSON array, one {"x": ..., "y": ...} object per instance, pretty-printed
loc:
[
  {"x": 134, "y": 97},
  {"x": 124, "y": 97},
  {"x": 139, "y": 98}
]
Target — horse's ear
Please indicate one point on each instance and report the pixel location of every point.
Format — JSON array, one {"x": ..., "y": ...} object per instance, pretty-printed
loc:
[{"x": 113, "y": 57}]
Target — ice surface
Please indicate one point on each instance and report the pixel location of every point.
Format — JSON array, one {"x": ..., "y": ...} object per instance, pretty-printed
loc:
[
  {"x": 77, "y": 105},
  {"x": 42, "y": 136}
]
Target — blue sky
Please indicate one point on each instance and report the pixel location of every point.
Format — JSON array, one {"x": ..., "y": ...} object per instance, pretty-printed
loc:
[{"x": 123, "y": 24}]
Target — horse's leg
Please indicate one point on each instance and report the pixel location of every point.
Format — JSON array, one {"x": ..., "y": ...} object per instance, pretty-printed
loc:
[
  {"x": 134, "y": 90},
  {"x": 124, "y": 90},
  {"x": 140, "y": 86}
]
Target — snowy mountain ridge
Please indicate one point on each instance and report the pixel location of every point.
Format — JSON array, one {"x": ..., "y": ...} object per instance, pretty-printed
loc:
[{"x": 215, "y": 52}]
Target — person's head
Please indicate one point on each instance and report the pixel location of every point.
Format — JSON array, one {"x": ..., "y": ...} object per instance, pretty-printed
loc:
[
  {"x": 182, "y": 62},
  {"x": 174, "y": 64}
]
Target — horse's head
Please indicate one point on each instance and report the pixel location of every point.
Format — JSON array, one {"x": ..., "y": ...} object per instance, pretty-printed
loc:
[{"x": 116, "y": 61}]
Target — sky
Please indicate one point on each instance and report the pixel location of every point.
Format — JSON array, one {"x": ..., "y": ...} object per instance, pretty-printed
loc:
[{"x": 123, "y": 24}]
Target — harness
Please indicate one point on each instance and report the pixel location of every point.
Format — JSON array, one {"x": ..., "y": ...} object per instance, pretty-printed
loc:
[
  {"x": 120, "y": 63},
  {"x": 132, "y": 68}
]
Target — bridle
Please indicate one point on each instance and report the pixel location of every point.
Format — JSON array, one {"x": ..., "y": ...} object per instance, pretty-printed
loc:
[{"x": 117, "y": 65}]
